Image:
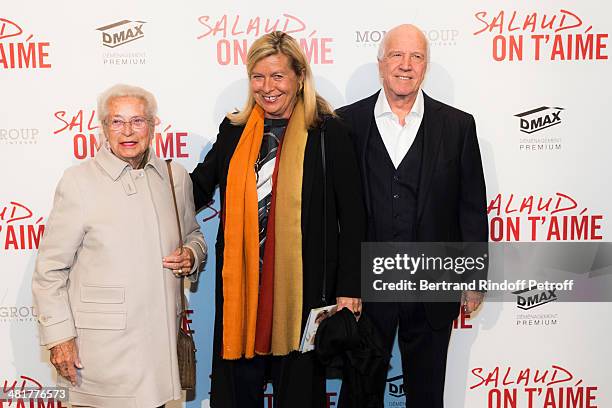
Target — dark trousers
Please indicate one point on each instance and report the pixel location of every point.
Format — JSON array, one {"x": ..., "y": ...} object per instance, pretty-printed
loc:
[
  {"x": 298, "y": 381},
  {"x": 423, "y": 350}
]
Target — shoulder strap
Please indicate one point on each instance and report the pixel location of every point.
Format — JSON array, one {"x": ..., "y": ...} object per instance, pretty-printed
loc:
[
  {"x": 324, "y": 286},
  {"x": 178, "y": 225}
]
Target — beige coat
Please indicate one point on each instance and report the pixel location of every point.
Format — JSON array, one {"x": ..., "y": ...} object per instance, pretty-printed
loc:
[{"x": 99, "y": 277}]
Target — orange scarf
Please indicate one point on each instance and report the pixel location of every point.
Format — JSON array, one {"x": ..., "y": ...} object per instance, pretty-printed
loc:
[{"x": 241, "y": 232}]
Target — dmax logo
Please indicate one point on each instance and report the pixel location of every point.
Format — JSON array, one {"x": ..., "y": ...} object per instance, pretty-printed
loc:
[
  {"x": 527, "y": 301},
  {"x": 122, "y": 32},
  {"x": 540, "y": 118},
  {"x": 395, "y": 386}
]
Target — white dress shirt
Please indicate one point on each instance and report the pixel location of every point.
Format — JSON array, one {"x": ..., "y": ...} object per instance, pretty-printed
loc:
[{"x": 398, "y": 138}]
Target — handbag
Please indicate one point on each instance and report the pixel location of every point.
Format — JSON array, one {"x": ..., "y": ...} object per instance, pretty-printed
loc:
[{"x": 185, "y": 345}]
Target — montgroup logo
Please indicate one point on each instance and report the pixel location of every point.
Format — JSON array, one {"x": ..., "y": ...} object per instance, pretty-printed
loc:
[
  {"x": 13, "y": 313},
  {"x": 18, "y": 50},
  {"x": 530, "y": 298},
  {"x": 17, "y": 314},
  {"x": 19, "y": 136},
  {"x": 537, "y": 120},
  {"x": 439, "y": 37},
  {"x": 83, "y": 128},
  {"x": 366, "y": 38},
  {"x": 233, "y": 34},
  {"x": 118, "y": 34},
  {"x": 20, "y": 229},
  {"x": 540, "y": 35}
]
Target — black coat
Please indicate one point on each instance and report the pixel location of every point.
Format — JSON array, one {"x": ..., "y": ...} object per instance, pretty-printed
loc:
[
  {"x": 451, "y": 204},
  {"x": 345, "y": 227}
]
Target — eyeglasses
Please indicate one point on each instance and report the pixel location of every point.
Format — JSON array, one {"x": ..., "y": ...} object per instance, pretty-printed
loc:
[{"x": 137, "y": 123}]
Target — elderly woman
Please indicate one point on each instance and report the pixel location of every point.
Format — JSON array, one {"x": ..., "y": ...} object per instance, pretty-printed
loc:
[
  {"x": 276, "y": 258},
  {"x": 105, "y": 282}
]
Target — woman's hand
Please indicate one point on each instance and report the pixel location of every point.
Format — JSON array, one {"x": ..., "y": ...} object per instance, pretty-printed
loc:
[
  {"x": 65, "y": 358},
  {"x": 180, "y": 261}
]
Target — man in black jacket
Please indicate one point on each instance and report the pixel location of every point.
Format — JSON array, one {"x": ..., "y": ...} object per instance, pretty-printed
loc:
[{"x": 423, "y": 182}]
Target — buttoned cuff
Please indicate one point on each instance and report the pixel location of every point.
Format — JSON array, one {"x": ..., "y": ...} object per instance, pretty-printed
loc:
[
  {"x": 55, "y": 343},
  {"x": 55, "y": 330},
  {"x": 199, "y": 253}
]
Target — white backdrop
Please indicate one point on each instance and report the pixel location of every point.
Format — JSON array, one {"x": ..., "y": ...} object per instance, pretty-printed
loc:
[{"x": 494, "y": 59}]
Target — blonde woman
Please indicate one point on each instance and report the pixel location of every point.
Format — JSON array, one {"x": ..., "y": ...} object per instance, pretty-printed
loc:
[{"x": 275, "y": 258}]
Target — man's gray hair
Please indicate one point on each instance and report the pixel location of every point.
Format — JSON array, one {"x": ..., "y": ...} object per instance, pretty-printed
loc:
[
  {"x": 123, "y": 90},
  {"x": 381, "y": 47},
  {"x": 383, "y": 44}
]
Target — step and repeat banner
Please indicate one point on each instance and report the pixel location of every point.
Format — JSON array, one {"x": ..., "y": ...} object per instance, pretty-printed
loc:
[{"x": 535, "y": 75}]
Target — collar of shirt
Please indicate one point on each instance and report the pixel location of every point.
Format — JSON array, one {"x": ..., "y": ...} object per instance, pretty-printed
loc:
[
  {"x": 383, "y": 109},
  {"x": 114, "y": 166}
]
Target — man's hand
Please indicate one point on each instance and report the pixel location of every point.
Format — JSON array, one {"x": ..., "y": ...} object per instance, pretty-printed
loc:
[
  {"x": 352, "y": 304},
  {"x": 470, "y": 300},
  {"x": 65, "y": 358}
]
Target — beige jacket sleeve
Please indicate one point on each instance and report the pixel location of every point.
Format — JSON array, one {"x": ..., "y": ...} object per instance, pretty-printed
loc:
[
  {"x": 62, "y": 239},
  {"x": 192, "y": 237}
]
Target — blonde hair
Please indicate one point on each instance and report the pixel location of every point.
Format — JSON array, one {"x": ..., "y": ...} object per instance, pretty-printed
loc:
[{"x": 274, "y": 43}]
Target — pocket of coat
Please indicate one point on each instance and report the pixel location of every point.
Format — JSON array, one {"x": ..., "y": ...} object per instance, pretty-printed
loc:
[
  {"x": 102, "y": 294},
  {"x": 100, "y": 320}
]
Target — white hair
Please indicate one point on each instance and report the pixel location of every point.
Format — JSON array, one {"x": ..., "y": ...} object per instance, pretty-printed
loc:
[
  {"x": 123, "y": 90},
  {"x": 381, "y": 47},
  {"x": 383, "y": 43}
]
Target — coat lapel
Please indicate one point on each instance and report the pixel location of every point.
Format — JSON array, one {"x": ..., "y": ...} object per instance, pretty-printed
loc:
[
  {"x": 364, "y": 120},
  {"x": 311, "y": 161},
  {"x": 433, "y": 127}
]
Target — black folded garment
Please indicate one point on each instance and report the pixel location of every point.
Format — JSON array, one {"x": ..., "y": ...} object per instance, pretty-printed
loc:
[{"x": 355, "y": 348}]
